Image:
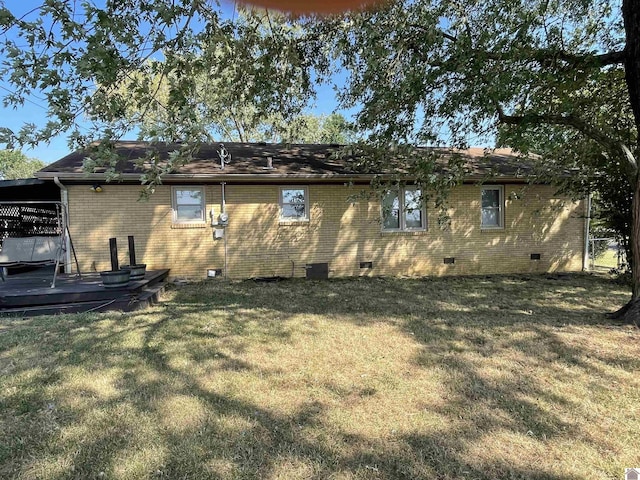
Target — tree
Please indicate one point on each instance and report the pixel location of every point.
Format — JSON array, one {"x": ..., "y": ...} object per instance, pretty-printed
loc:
[
  {"x": 557, "y": 78},
  {"x": 76, "y": 58},
  {"x": 228, "y": 115},
  {"x": 15, "y": 164},
  {"x": 229, "y": 93},
  {"x": 309, "y": 128},
  {"x": 577, "y": 165}
]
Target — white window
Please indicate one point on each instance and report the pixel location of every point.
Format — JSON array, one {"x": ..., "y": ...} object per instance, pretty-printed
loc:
[
  {"x": 403, "y": 210},
  {"x": 492, "y": 210},
  {"x": 294, "y": 204},
  {"x": 188, "y": 204}
]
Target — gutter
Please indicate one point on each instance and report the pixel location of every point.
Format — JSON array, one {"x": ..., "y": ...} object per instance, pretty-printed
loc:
[
  {"x": 64, "y": 198},
  {"x": 224, "y": 212},
  {"x": 257, "y": 178},
  {"x": 213, "y": 178}
]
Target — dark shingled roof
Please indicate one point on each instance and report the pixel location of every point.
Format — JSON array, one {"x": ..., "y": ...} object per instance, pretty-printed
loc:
[{"x": 297, "y": 160}]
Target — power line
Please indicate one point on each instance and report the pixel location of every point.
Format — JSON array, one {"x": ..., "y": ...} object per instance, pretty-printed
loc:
[{"x": 25, "y": 99}]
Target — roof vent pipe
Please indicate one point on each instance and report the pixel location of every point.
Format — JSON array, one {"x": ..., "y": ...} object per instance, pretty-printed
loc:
[
  {"x": 225, "y": 156},
  {"x": 270, "y": 163}
]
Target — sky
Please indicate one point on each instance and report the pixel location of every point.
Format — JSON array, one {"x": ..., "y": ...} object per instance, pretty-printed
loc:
[
  {"x": 34, "y": 108},
  {"x": 35, "y": 113}
]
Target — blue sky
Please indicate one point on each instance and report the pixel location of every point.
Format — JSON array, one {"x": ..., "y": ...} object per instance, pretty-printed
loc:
[
  {"x": 34, "y": 108},
  {"x": 30, "y": 112}
]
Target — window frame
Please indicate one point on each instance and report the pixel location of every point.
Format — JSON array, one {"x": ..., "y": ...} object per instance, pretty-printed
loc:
[
  {"x": 501, "y": 206},
  {"x": 402, "y": 221},
  {"x": 174, "y": 205},
  {"x": 281, "y": 203}
]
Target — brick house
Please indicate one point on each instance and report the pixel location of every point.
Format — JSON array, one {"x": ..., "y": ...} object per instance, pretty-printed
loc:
[{"x": 290, "y": 213}]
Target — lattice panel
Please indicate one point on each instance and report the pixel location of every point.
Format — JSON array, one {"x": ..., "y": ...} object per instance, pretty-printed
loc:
[{"x": 28, "y": 220}]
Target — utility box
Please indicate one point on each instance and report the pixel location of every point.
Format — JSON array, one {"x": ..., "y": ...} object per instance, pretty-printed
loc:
[
  {"x": 317, "y": 271},
  {"x": 218, "y": 233}
]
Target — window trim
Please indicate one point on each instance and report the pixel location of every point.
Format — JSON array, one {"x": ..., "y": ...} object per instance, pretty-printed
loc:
[
  {"x": 401, "y": 212},
  {"x": 174, "y": 205},
  {"x": 307, "y": 212},
  {"x": 501, "y": 204}
]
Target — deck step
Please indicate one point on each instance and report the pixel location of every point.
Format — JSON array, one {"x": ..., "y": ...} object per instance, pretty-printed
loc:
[
  {"x": 26, "y": 296},
  {"x": 149, "y": 296}
]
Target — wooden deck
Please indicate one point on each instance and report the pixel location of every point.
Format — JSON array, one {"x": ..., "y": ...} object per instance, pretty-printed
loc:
[{"x": 31, "y": 293}]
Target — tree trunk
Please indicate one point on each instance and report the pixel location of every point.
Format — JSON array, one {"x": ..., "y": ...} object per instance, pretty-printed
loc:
[
  {"x": 630, "y": 313},
  {"x": 635, "y": 241}
]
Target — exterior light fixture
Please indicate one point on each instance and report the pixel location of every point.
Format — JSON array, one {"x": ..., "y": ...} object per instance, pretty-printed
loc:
[{"x": 96, "y": 188}]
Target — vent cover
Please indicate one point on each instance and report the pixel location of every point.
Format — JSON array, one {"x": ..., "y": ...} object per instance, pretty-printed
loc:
[
  {"x": 366, "y": 264},
  {"x": 449, "y": 260},
  {"x": 317, "y": 271},
  {"x": 535, "y": 256}
]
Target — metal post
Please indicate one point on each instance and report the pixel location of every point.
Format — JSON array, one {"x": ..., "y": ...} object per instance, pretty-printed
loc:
[
  {"x": 61, "y": 248},
  {"x": 132, "y": 251},
  {"x": 113, "y": 248}
]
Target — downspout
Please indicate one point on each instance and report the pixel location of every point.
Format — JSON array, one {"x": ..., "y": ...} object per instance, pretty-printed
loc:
[
  {"x": 64, "y": 198},
  {"x": 587, "y": 232},
  {"x": 224, "y": 210}
]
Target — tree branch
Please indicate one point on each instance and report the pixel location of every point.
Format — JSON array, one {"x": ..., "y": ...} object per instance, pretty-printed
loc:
[
  {"x": 569, "y": 120},
  {"x": 547, "y": 55},
  {"x": 541, "y": 55},
  {"x": 629, "y": 156}
]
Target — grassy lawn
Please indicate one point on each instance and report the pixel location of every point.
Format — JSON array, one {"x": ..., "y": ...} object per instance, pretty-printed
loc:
[
  {"x": 607, "y": 260},
  {"x": 480, "y": 378}
]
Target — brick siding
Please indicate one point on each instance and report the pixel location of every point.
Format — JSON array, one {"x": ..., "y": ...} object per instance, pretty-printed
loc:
[{"x": 338, "y": 232}]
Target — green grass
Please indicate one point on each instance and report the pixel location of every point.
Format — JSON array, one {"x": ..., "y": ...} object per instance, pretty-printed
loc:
[
  {"x": 477, "y": 378},
  {"x": 608, "y": 259}
]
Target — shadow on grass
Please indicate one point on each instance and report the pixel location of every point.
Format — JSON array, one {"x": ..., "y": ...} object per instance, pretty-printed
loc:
[{"x": 139, "y": 395}]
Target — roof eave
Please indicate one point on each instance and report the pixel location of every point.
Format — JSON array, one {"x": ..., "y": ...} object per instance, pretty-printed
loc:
[{"x": 257, "y": 178}]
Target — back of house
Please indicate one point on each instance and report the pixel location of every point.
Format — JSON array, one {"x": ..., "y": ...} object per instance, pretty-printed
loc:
[{"x": 302, "y": 210}]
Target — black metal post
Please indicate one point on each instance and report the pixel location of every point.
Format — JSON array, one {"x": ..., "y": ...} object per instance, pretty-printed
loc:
[
  {"x": 113, "y": 247},
  {"x": 132, "y": 251}
]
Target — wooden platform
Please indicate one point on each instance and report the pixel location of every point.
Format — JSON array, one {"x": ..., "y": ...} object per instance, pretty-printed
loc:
[{"x": 31, "y": 293}]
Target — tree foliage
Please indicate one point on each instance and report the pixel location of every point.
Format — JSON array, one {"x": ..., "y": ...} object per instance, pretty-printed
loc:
[
  {"x": 15, "y": 164},
  {"x": 449, "y": 71},
  {"x": 241, "y": 88},
  {"x": 168, "y": 53},
  {"x": 226, "y": 113},
  {"x": 419, "y": 71}
]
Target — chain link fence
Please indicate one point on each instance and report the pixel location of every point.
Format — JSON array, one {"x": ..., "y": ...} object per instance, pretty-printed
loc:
[{"x": 606, "y": 254}]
